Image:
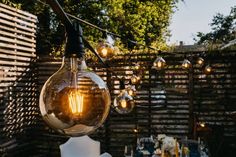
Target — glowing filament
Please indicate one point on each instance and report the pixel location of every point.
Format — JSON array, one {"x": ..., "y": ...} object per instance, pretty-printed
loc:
[
  {"x": 131, "y": 92},
  {"x": 76, "y": 102},
  {"x": 186, "y": 65},
  {"x": 123, "y": 103},
  {"x": 104, "y": 52},
  {"x": 159, "y": 64},
  {"x": 208, "y": 69},
  {"x": 202, "y": 125}
]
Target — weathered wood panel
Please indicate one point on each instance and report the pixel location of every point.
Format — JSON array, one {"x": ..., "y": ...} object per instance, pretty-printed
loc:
[{"x": 18, "y": 88}]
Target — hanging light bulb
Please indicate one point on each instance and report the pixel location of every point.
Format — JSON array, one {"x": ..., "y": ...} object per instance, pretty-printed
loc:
[
  {"x": 208, "y": 69},
  {"x": 131, "y": 90},
  {"x": 135, "y": 79},
  {"x": 186, "y": 64},
  {"x": 137, "y": 66},
  {"x": 159, "y": 63},
  {"x": 202, "y": 124},
  {"x": 74, "y": 101},
  {"x": 105, "y": 50},
  {"x": 123, "y": 103},
  {"x": 135, "y": 130},
  {"x": 200, "y": 61}
]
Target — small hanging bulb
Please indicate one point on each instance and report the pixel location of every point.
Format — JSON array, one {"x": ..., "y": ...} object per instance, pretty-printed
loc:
[
  {"x": 200, "y": 61},
  {"x": 137, "y": 66},
  {"x": 208, "y": 69},
  {"x": 202, "y": 124},
  {"x": 131, "y": 90},
  {"x": 135, "y": 130},
  {"x": 186, "y": 64},
  {"x": 123, "y": 103},
  {"x": 159, "y": 63},
  {"x": 105, "y": 50},
  {"x": 135, "y": 79}
]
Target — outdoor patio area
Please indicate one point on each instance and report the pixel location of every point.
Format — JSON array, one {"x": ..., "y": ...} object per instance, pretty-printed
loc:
[{"x": 182, "y": 103}]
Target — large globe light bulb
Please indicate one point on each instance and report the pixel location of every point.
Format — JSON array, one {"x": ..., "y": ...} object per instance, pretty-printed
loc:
[{"x": 74, "y": 101}]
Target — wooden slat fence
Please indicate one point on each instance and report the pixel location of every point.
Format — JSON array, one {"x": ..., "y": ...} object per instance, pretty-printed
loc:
[
  {"x": 167, "y": 101},
  {"x": 18, "y": 95}
]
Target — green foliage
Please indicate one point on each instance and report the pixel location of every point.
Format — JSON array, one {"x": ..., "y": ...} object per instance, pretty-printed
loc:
[
  {"x": 223, "y": 30},
  {"x": 144, "y": 21}
]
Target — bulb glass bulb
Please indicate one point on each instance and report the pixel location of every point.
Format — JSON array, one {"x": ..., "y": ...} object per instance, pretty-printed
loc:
[
  {"x": 131, "y": 90},
  {"x": 137, "y": 66},
  {"x": 74, "y": 101},
  {"x": 159, "y": 63},
  {"x": 105, "y": 50},
  {"x": 186, "y": 64},
  {"x": 135, "y": 79},
  {"x": 200, "y": 61},
  {"x": 123, "y": 103},
  {"x": 208, "y": 69}
]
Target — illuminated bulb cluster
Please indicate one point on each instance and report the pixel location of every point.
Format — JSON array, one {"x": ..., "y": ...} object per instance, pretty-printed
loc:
[
  {"x": 159, "y": 63},
  {"x": 105, "y": 50},
  {"x": 74, "y": 101},
  {"x": 123, "y": 103}
]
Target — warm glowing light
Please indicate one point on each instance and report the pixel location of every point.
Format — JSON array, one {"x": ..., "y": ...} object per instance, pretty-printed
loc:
[
  {"x": 106, "y": 50},
  {"x": 137, "y": 66},
  {"x": 159, "y": 63},
  {"x": 131, "y": 90},
  {"x": 135, "y": 79},
  {"x": 208, "y": 69},
  {"x": 186, "y": 64},
  {"x": 76, "y": 102},
  {"x": 135, "y": 130},
  {"x": 200, "y": 61},
  {"x": 202, "y": 124},
  {"x": 123, "y": 103}
]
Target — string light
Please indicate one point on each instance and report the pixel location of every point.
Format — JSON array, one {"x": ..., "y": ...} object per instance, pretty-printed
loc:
[
  {"x": 131, "y": 90},
  {"x": 208, "y": 69},
  {"x": 202, "y": 124},
  {"x": 200, "y": 61},
  {"x": 159, "y": 63},
  {"x": 105, "y": 50},
  {"x": 135, "y": 79},
  {"x": 186, "y": 64},
  {"x": 137, "y": 66},
  {"x": 124, "y": 102}
]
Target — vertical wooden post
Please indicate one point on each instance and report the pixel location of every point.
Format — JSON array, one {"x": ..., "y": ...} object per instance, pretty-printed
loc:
[
  {"x": 107, "y": 123},
  {"x": 190, "y": 95}
]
